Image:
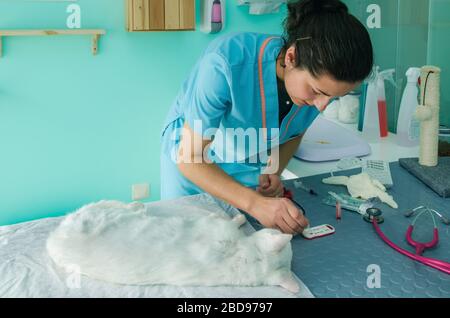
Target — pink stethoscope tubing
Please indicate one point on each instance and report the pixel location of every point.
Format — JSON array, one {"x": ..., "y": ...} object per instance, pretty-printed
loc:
[
  {"x": 420, "y": 247},
  {"x": 432, "y": 262}
]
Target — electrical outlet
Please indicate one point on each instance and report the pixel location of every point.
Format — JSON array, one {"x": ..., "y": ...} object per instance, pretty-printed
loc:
[{"x": 140, "y": 191}]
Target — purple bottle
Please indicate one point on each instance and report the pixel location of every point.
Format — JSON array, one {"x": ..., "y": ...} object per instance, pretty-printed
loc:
[{"x": 216, "y": 16}]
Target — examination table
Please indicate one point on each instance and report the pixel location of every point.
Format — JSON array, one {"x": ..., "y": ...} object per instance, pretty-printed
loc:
[{"x": 339, "y": 265}]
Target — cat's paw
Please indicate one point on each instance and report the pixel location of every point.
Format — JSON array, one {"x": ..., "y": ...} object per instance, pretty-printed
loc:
[
  {"x": 290, "y": 283},
  {"x": 239, "y": 220}
]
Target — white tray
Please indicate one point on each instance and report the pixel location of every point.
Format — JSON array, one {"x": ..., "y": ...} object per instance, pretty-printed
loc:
[{"x": 327, "y": 141}]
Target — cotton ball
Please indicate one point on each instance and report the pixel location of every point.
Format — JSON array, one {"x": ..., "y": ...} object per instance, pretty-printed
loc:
[
  {"x": 349, "y": 109},
  {"x": 331, "y": 112}
]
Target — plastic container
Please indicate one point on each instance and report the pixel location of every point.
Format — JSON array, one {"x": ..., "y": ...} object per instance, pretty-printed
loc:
[
  {"x": 213, "y": 16},
  {"x": 408, "y": 127},
  {"x": 382, "y": 106},
  {"x": 216, "y": 16},
  {"x": 371, "y": 126},
  {"x": 362, "y": 106},
  {"x": 375, "y": 108}
]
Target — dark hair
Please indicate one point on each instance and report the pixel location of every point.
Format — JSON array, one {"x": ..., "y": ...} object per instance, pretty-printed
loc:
[{"x": 328, "y": 39}]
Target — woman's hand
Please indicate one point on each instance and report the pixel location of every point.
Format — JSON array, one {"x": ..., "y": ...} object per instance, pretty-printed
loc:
[
  {"x": 279, "y": 213},
  {"x": 270, "y": 185}
]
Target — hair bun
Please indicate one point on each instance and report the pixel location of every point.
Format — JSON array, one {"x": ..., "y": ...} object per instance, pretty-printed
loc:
[
  {"x": 332, "y": 6},
  {"x": 304, "y": 8}
]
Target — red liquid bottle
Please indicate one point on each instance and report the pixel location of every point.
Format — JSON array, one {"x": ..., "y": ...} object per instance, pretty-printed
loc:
[
  {"x": 382, "y": 115},
  {"x": 382, "y": 107}
]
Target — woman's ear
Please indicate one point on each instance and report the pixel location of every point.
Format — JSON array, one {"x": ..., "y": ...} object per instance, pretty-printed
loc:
[{"x": 290, "y": 57}]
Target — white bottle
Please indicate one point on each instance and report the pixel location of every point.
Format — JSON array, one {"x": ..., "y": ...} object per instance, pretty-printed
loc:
[
  {"x": 371, "y": 126},
  {"x": 408, "y": 127}
]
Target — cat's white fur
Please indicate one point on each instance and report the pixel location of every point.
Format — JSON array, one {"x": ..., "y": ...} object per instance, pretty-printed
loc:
[{"x": 135, "y": 244}]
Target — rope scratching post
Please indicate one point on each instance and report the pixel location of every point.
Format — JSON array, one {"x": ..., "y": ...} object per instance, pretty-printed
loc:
[
  {"x": 428, "y": 115},
  {"x": 429, "y": 168}
]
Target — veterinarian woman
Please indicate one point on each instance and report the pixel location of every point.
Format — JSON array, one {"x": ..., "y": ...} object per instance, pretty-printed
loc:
[{"x": 269, "y": 86}]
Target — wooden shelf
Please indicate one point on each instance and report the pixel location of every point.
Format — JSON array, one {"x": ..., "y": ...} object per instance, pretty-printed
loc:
[
  {"x": 160, "y": 15},
  {"x": 95, "y": 33}
]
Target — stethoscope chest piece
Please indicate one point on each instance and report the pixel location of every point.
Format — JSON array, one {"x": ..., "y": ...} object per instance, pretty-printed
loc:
[{"x": 373, "y": 214}]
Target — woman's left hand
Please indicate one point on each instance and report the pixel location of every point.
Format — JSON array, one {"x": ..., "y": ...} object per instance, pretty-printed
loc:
[{"x": 270, "y": 185}]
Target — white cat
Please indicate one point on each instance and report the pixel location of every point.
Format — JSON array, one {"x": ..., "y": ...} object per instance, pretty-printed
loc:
[{"x": 137, "y": 244}]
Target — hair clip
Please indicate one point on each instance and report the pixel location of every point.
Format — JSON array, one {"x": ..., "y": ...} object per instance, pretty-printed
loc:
[{"x": 305, "y": 38}]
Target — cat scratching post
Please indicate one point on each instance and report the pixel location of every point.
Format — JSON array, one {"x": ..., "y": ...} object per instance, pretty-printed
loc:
[
  {"x": 428, "y": 115},
  {"x": 429, "y": 168}
]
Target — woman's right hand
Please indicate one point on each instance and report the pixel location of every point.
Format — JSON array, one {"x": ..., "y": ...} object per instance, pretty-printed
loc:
[{"x": 279, "y": 213}]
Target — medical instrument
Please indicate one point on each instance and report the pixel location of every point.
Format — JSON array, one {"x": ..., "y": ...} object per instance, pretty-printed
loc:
[
  {"x": 300, "y": 185},
  {"x": 338, "y": 211},
  {"x": 444, "y": 219},
  {"x": 288, "y": 194},
  {"x": 373, "y": 215},
  {"x": 380, "y": 170},
  {"x": 348, "y": 203},
  {"x": 318, "y": 231}
]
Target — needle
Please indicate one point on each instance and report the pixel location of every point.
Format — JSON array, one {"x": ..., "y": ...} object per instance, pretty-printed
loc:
[{"x": 301, "y": 185}]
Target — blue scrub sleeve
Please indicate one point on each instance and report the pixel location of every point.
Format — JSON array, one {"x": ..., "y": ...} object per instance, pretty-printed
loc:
[{"x": 209, "y": 96}]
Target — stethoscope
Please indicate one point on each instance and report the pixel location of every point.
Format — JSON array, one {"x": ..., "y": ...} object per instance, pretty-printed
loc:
[{"x": 373, "y": 215}]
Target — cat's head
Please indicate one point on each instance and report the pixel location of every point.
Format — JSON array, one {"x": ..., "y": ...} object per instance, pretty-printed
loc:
[{"x": 278, "y": 253}]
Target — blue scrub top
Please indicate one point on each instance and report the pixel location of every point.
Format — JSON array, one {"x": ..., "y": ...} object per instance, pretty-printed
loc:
[{"x": 232, "y": 85}]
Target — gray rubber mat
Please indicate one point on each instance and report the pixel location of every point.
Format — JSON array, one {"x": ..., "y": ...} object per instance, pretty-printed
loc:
[{"x": 340, "y": 265}]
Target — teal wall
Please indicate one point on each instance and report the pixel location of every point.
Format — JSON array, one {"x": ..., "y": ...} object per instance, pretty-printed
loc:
[
  {"x": 439, "y": 51},
  {"x": 75, "y": 128}
]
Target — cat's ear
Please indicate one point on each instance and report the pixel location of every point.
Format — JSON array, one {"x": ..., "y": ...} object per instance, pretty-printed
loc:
[
  {"x": 290, "y": 283},
  {"x": 273, "y": 240},
  {"x": 279, "y": 241}
]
